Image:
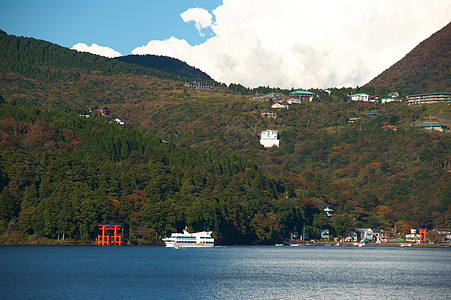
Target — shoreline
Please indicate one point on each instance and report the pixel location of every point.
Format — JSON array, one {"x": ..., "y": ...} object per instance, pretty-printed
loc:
[
  {"x": 16, "y": 239},
  {"x": 351, "y": 244}
]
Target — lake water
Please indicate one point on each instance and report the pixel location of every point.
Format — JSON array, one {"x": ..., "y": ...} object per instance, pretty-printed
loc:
[{"x": 258, "y": 272}]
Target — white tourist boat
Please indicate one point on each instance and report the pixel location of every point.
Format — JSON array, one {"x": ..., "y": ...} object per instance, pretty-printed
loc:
[{"x": 187, "y": 239}]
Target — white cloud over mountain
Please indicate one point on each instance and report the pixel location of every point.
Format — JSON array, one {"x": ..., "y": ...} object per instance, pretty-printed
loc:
[
  {"x": 299, "y": 43},
  {"x": 96, "y": 49},
  {"x": 304, "y": 43},
  {"x": 201, "y": 17}
]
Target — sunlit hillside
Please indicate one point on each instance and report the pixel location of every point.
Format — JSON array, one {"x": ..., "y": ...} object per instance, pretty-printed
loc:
[{"x": 193, "y": 156}]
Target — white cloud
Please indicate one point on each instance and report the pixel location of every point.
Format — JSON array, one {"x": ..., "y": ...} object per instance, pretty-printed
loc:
[
  {"x": 201, "y": 17},
  {"x": 304, "y": 43},
  {"x": 96, "y": 49}
]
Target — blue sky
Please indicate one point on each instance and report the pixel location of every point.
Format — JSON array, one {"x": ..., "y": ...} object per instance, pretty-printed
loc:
[
  {"x": 120, "y": 25},
  {"x": 286, "y": 43}
]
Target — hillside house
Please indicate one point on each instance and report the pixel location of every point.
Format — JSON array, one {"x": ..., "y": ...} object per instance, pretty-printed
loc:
[
  {"x": 388, "y": 100},
  {"x": 279, "y": 106},
  {"x": 432, "y": 126},
  {"x": 328, "y": 210},
  {"x": 372, "y": 114},
  {"x": 269, "y": 114},
  {"x": 259, "y": 98},
  {"x": 352, "y": 120},
  {"x": 119, "y": 121},
  {"x": 294, "y": 101},
  {"x": 302, "y": 95},
  {"x": 104, "y": 111},
  {"x": 428, "y": 98},
  {"x": 443, "y": 231},
  {"x": 374, "y": 98},
  {"x": 269, "y": 138},
  {"x": 392, "y": 127},
  {"x": 393, "y": 95},
  {"x": 359, "y": 97},
  {"x": 199, "y": 86},
  {"x": 275, "y": 97}
]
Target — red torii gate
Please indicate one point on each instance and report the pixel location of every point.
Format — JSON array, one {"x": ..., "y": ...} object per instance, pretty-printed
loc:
[
  {"x": 104, "y": 239},
  {"x": 422, "y": 233}
]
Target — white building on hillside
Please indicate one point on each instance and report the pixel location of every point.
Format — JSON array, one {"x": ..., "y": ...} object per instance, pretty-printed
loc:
[
  {"x": 278, "y": 106},
  {"x": 269, "y": 138},
  {"x": 428, "y": 98},
  {"x": 360, "y": 97}
]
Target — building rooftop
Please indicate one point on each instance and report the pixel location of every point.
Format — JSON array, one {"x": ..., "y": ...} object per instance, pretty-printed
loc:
[
  {"x": 429, "y": 94},
  {"x": 430, "y": 124},
  {"x": 302, "y": 92}
]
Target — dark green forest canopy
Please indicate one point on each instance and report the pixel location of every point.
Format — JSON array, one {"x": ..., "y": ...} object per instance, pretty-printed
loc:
[
  {"x": 45, "y": 61},
  {"x": 62, "y": 174},
  {"x": 166, "y": 64}
]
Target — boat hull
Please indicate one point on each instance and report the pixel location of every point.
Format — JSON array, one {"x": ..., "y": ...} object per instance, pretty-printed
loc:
[{"x": 180, "y": 245}]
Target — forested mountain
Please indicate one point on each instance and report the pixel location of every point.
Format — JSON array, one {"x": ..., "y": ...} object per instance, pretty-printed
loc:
[
  {"x": 425, "y": 69},
  {"x": 42, "y": 60},
  {"x": 62, "y": 174},
  {"x": 168, "y": 65},
  {"x": 211, "y": 171}
]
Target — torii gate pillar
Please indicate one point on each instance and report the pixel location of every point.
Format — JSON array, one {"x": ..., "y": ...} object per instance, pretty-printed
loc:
[{"x": 422, "y": 233}]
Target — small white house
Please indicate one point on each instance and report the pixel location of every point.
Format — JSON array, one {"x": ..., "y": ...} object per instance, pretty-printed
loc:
[
  {"x": 119, "y": 121},
  {"x": 269, "y": 138},
  {"x": 294, "y": 101},
  {"x": 278, "y": 106},
  {"x": 388, "y": 100},
  {"x": 328, "y": 210},
  {"x": 360, "y": 97}
]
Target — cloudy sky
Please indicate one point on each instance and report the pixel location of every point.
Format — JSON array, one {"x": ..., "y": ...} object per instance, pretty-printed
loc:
[{"x": 285, "y": 43}]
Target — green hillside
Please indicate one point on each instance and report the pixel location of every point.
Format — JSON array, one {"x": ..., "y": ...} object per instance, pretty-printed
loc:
[
  {"x": 62, "y": 174},
  {"x": 167, "y": 64},
  {"x": 211, "y": 171},
  {"x": 42, "y": 60}
]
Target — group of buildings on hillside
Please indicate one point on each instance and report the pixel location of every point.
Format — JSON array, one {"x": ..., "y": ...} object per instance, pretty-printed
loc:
[
  {"x": 104, "y": 111},
  {"x": 198, "y": 85},
  {"x": 417, "y": 99},
  {"x": 270, "y": 138}
]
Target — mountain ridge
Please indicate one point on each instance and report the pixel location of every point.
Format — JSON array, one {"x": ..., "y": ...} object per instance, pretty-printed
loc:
[
  {"x": 426, "y": 68},
  {"x": 167, "y": 64}
]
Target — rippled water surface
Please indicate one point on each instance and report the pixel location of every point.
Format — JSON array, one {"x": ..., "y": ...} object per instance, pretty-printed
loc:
[{"x": 224, "y": 273}]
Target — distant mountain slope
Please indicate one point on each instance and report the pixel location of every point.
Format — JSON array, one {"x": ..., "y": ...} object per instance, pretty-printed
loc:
[
  {"x": 40, "y": 59},
  {"x": 424, "y": 69},
  {"x": 166, "y": 64}
]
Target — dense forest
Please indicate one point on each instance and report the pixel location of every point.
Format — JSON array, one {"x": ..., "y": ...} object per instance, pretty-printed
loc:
[
  {"x": 62, "y": 174},
  {"x": 42, "y": 60},
  {"x": 167, "y": 64},
  {"x": 193, "y": 158}
]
